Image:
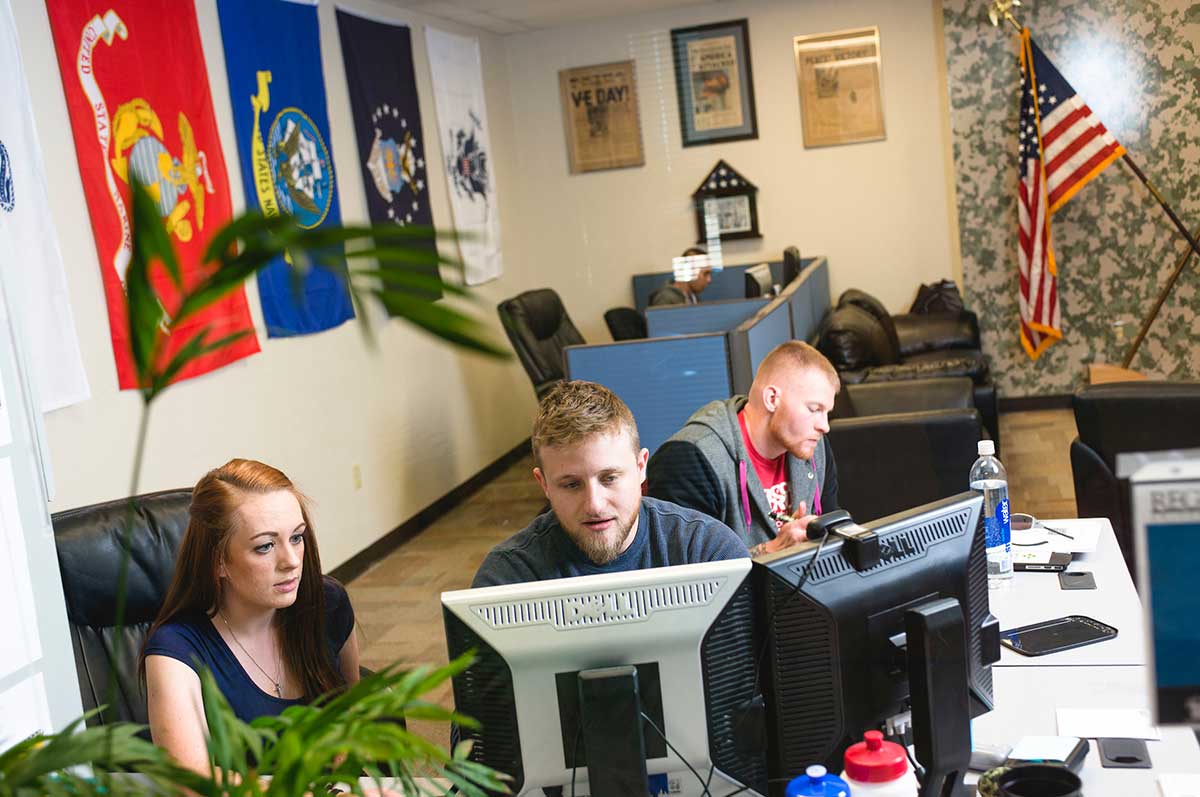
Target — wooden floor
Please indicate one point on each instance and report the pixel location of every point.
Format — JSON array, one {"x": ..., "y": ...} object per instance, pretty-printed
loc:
[{"x": 397, "y": 603}]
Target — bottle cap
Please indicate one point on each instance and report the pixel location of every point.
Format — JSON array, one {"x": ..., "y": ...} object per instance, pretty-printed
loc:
[
  {"x": 987, "y": 448},
  {"x": 875, "y": 761},
  {"x": 817, "y": 782}
]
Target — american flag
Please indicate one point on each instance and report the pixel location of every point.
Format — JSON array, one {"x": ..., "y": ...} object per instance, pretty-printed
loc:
[{"x": 1062, "y": 145}]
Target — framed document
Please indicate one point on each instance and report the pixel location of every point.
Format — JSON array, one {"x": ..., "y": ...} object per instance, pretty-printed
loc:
[
  {"x": 840, "y": 96},
  {"x": 714, "y": 82},
  {"x": 600, "y": 113}
]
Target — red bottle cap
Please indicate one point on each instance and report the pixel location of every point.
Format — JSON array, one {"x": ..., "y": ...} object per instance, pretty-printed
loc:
[{"x": 874, "y": 760}]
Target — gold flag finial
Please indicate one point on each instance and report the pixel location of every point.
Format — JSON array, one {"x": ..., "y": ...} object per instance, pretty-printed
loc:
[{"x": 1002, "y": 9}]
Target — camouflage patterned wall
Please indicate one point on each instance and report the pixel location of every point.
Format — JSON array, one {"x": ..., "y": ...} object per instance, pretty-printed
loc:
[{"x": 1135, "y": 63}]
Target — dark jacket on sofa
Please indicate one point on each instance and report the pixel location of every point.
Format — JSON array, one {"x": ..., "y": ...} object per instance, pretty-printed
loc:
[{"x": 705, "y": 466}]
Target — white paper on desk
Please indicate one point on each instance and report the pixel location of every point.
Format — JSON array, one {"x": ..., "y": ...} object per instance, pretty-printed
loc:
[
  {"x": 1085, "y": 536},
  {"x": 1106, "y": 723},
  {"x": 1179, "y": 784}
]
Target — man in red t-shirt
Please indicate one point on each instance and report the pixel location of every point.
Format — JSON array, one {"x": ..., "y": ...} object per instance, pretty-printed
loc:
[{"x": 742, "y": 459}]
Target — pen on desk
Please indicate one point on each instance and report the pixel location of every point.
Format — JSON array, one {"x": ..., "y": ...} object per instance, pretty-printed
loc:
[{"x": 1056, "y": 531}]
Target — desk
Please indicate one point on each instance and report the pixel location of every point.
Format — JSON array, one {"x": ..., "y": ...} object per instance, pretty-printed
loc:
[
  {"x": 1035, "y": 596},
  {"x": 1026, "y": 700}
]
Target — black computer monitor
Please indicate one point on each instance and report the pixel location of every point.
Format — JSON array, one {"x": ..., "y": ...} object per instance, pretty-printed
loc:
[
  {"x": 758, "y": 281},
  {"x": 792, "y": 264},
  {"x": 686, "y": 630},
  {"x": 835, "y": 663}
]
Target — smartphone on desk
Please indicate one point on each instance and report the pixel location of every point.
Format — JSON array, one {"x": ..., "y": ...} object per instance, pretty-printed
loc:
[{"x": 1052, "y": 636}]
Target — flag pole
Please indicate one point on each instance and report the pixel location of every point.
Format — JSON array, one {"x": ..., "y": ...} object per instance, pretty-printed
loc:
[{"x": 1002, "y": 10}]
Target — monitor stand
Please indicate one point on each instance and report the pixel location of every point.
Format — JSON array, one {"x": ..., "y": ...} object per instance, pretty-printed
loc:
[
  {"x": 937, "y": 646},
  {"x": 610, "y": 716}
]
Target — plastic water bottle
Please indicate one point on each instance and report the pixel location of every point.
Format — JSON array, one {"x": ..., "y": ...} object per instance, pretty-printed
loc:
[
  {"x": 877, "y": 768},
  {"x": 817, "y": 782},
  {"x": 989, "y": 478}
]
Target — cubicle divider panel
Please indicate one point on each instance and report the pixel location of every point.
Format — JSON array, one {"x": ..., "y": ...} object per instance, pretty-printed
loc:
[
  {"x": 694, "y": 319},
  {"x": 727, "y": 283},
  {"x": 754, "y": 339},
  {"x": 663, "y": 380},
  {"x": 819, "y": 293}
]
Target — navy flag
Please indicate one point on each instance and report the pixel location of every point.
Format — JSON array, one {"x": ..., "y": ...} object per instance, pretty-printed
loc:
[
  {"x": 273, "y": 59},
  {"x": 387, "y": 122}
]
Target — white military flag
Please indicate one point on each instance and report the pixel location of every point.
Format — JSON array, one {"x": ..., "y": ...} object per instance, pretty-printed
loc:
[
  {"x": 29, "y": 254},
  {"x": 454, "y": 63}
]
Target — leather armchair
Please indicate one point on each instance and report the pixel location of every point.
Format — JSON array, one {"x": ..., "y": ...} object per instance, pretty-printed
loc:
[
  {"x": 88, "y": 540},
  {"x": 539, "y": 328},
  {"x": 1125, "y": 417},
  {"x": 893, "y": 462},
  {"x": 867, "y": 345}
]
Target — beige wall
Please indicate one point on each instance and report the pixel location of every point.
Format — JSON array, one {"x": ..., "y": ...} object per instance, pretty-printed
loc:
[
  {"x": 879, "y": 211},
  {"x": 416, "y": 416},
  {"x": 420, "y": 418}
]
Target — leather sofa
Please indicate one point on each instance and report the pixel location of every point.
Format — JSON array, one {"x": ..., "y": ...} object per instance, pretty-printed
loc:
[
  {"x": 900, "y": 445},
  {"x": 868, "y": 345},
  {"x": 539, "y": 329},
  {"x": 88, "y": 540},
  {"x": 1120, "y": 418}
]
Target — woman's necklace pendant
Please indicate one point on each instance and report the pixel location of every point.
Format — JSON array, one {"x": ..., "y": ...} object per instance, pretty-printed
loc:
[{"x": 278, "y": 690}]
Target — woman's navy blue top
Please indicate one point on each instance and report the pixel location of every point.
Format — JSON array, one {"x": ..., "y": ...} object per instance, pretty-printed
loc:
[{"x": 194, "y": 640}]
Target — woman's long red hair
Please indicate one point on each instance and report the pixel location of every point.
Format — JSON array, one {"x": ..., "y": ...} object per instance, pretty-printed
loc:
[{"x": 196, "y": 587}]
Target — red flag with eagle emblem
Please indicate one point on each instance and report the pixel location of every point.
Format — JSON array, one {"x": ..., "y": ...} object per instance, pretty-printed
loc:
[{"x": 137, "y": 92}]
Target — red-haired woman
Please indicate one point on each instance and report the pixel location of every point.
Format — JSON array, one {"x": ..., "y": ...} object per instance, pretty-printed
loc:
[{"x": 248, "y": 602}]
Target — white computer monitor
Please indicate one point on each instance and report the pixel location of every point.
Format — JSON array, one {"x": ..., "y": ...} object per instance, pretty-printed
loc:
[{"x": 688, "y": 629}]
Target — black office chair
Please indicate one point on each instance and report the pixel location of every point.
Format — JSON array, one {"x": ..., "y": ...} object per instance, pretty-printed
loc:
[
  {"x": 625, "y": 323},
  {"x": 539, "y": 328},
  {"x": 88, "y": 540},
  {"x": 1125, "y": 417}
]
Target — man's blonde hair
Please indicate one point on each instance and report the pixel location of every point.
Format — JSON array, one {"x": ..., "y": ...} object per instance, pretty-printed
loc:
[
  {"x": 796, "y": 355},
  {"x": 574, "y": 411}
]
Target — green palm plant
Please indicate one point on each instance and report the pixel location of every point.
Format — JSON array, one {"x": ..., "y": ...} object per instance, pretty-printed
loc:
[{"x": 338, "y": 736}]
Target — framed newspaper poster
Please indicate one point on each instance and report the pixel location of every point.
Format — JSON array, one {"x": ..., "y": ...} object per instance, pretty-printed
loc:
[
  {"x": 840, "y": 96},
  {"x": 714, "y": 82},
  {"x": 600, "y": 113}
]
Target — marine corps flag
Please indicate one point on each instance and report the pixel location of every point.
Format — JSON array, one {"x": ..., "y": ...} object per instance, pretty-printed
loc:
[
  {"x": 387, "y": 121},
  {"x": 137, "y": 93},
  {"x": 273, "y": 59}
]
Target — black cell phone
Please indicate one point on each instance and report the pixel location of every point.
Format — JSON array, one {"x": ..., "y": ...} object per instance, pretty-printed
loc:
[{"x": 1052, "y": 636}]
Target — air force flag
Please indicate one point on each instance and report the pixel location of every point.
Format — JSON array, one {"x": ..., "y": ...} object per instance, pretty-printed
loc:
[
  {"x": 273, "y": 59},
  {"x": 387, "y": 121}
]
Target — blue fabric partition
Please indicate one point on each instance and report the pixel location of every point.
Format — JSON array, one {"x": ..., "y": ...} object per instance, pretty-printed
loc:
[
  {"x": 691, "y": 319},
  {"x": 727, "y": 283},
  {"x": 754, "y": 339},
  {"x": 663, "y": 380},
  {"x": 819, "y": 294},
  {"x": 808, "y": 299}
]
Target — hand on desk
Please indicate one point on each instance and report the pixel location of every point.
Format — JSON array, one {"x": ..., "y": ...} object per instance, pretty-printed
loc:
[{"x": 793, "y": 532}]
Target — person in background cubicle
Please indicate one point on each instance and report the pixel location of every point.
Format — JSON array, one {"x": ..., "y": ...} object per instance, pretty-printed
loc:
[
  {"x": 248, "y": 602},
  {"x": 685, "y": 291},
  {"x": 745, "y": 458},
  {"x": 590, "y": 464}
]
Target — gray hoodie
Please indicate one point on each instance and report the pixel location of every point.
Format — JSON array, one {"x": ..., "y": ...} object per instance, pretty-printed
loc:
[{"x": 705, "y": 466}]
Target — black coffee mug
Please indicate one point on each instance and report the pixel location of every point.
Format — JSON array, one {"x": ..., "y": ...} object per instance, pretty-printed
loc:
[{"x": 1039, "y": 780}]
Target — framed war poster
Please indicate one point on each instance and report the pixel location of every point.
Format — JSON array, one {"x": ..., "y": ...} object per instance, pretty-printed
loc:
[
  {"x": 841, "y": 99},
  {"x": 714, "y": 83},
  {"x": 600, "y": 114}
]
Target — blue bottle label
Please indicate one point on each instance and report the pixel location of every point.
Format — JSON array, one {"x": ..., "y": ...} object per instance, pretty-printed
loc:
[{"x": 997, "y": 527}]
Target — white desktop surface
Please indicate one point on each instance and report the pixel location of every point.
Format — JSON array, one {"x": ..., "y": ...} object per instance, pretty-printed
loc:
[
  {"x": 1026, "y": 700},
  {"x": 1035, "y": 596}
]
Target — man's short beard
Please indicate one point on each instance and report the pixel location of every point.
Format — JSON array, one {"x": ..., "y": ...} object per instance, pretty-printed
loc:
[{"x": 601, "y": 549}]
